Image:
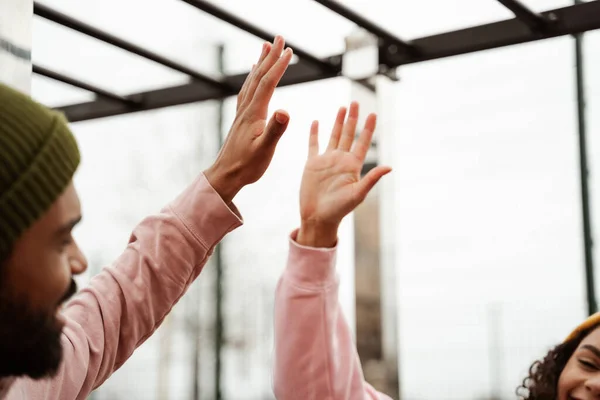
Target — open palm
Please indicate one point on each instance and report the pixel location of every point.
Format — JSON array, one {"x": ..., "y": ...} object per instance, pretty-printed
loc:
[{"x": 331, "y": 184}]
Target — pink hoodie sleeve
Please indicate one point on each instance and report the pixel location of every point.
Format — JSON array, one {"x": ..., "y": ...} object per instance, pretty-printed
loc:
[
  {"x": 315, "y": 355},
  {"x": 127, "y": 301}
]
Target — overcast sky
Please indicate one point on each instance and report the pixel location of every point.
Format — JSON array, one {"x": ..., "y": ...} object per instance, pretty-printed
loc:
[{"x": 486, "y": 179}]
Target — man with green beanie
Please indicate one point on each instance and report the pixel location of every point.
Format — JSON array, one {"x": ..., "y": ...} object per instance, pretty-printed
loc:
[{"x": 49, "y": 353}]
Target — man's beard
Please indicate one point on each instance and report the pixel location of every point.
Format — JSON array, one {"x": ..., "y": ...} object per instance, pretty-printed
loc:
[{"x": 29, "y": 339}]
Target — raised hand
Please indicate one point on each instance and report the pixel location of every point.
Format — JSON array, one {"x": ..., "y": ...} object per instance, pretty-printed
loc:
[
  {"x": 251, "y": 142},
  {"x": 331, "y": 185}
]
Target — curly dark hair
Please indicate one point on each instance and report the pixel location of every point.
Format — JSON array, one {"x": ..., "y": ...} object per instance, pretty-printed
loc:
[{"x": 542, "y": 382}]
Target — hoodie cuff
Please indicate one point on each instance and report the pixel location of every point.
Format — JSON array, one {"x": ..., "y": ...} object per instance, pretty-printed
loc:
[
  {"x": 309, "y": 266},
  {"x": 204, "y": 212}
]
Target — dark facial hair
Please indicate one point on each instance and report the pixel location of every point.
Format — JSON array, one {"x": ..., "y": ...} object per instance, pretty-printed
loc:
[{"x": 29, "y": 339}]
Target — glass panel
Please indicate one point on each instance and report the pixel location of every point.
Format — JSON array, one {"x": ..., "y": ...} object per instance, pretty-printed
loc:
[
  {"x": 303, "y": 23},
  {"x": 96, "y": 62},
  {"x": 53, "y": 94},
  {"x": 490, "y": 247},
  {"x": 420, "y": 18},
  {"x": 169, "y": 28}
]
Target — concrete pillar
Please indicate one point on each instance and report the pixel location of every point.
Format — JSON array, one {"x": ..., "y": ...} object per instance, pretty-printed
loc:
[
  {"x": 374, "y": 227},
  {"x": 15, "y": 43}
]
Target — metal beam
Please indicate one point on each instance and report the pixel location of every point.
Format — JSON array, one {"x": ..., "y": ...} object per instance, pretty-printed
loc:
[
  {"x": 238, "y": 22},
  {"x": 566, "y": 21},
  {"x": 81, "y": 27},
  {"x": 388, "y": 37},
  {"x": 533, "y": 20},
  {"x": 184, "y": 94},
  {"x": 82, "y": 85}
]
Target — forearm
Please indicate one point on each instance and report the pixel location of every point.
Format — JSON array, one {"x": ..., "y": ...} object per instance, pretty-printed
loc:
[
  {"x": 315, "y": 355},
  {"x": 127, "y": 301}
]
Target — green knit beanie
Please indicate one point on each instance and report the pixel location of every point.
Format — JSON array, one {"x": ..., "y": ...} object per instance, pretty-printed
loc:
[{"x": 38, "y": 158}]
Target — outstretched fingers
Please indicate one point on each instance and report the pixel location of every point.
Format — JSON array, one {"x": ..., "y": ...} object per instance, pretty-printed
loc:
[
  {"x": 362, "y": 145},
  {"x": 349, "y": 128},
  {"x": 338, "y": 126},
  {"x": 263, "y": 67},
  {"x": 268, "y": 83},
  {"x": 367, "y": 183},
  {"x": 243, "y": 95},
  {"x": 313, "y": 140}
]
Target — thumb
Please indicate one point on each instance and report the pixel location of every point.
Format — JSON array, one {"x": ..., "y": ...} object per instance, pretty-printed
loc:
[
  {"x": 370, "y": 179},
  {"x": 276, "y": 126}
]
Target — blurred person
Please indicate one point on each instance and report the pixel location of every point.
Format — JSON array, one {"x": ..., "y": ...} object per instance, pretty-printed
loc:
[
  {"x": 315, "y": 355},
  {"x": 50, "y": 352}
]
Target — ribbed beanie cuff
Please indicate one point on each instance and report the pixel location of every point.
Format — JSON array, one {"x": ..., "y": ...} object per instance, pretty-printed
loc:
[{"x": 53, "y": 157}]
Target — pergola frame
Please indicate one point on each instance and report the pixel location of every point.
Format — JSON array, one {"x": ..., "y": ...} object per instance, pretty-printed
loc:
[{"x": 527, "y": 26}]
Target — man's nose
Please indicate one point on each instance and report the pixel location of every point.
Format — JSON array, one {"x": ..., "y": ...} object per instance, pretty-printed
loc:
[{"x": 77, "y": 261}]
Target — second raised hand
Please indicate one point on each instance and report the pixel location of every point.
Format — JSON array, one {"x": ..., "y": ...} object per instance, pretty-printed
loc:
[{"x": 331, "y": 185}]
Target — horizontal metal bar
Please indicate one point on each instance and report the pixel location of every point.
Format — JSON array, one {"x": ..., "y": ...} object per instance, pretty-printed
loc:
[
  {"x": 364, "y": 23},
  {"x": 566, "y": 21},
  {"x": 185, "y": 94},
  {"x": 238, "y": 22},
  {"x": 72, "y": 23},
  {"x": 79, "y": 84},
  {"x": 532, "y": 19}
]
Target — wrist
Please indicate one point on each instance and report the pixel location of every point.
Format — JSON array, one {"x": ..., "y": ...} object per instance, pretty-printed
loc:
[
  {"x": 224, "y": 183},
  {"x": 317, "y": 234}
]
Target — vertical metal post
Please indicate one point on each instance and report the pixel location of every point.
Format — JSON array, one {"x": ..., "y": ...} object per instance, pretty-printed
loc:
[
  {"x": 592, "y": 305},
  {"x": 196, "y": 361},
  {"x": 163, "y": 385},
  {"x": 218, "y": 256}
]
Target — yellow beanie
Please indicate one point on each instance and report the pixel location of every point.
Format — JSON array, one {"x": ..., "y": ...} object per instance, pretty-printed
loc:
[{"x": 587, "y": 324}]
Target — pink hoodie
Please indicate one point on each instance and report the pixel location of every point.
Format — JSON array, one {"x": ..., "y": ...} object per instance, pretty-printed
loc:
[
  {"x": 127, "y": 301},
  {"x": 315, "y": 356}
]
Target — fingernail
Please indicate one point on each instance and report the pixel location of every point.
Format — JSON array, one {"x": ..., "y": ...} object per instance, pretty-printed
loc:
[{"x": 281, "y": 118}]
